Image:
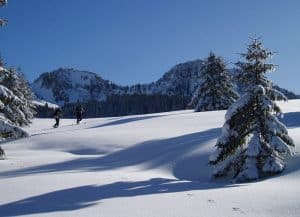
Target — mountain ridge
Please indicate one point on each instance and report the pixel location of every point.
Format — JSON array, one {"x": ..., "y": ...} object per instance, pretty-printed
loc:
[{"x": 67, "y": 85}]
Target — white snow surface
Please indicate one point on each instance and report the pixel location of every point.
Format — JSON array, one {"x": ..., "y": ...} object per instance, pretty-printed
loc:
[
  {"x": 43, "y": 103},
  {"x": 153, "y": 165}
]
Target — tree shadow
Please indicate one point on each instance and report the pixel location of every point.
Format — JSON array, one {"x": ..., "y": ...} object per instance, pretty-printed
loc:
[
  {"x": 89, "y": 195},
  {"x": 176, "y": 152},
  {"x": 87, "y": 151},
  {"x": 291, "y": 119},
  {"x": 293, "y": 165},
  {"x": 112, "y": 122},
  {"x": 126, "y": 121}
]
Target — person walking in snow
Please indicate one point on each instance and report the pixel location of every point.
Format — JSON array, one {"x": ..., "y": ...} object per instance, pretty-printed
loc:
[
  {"x": 79, "y": 112},
  {"x": 57, "y": 114}
]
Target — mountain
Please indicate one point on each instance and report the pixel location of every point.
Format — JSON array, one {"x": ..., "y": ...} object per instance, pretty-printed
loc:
[
  {"x": 287, "y": 93},
  {"x": 66, "y": 85}
]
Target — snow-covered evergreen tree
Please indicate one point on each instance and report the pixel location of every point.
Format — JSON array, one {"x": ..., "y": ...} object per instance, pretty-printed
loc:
[
  {"x": 216, "y": 90},
  {"x": 16, "y": 108},
  {"x": 16, "y": 82},
  {"x": 2, "y": 23},
  {"x": 3, "y": 3},
  {"x": 254, "y": 143},
  {"x": 11, "y": 117}
]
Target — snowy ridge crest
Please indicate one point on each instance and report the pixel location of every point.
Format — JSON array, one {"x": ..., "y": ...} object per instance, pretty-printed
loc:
[{"x": 67, "y": 85}]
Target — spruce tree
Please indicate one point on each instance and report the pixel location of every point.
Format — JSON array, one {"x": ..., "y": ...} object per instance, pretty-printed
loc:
[
  {"x": 16, "y": 108},
  {"x": 22, "y": 112},
  {"x": 3, "y": 3},
  {"x": 2, "y": 23},
  {"x": 216, "y": 90},
  {"x": 254, "y": 143},
  {"x": 11, "y": 116}
]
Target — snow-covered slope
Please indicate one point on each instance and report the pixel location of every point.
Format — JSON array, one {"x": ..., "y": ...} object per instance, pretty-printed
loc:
[
  {"x": 69, "y": 85},
  {"x": 138, "y": 166}
]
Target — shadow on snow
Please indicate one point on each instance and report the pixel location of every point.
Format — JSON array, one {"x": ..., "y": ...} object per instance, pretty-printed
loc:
[
  {"x": 291, "y": 119},
  {"x": 151, "y": 154},
  {"x": 114, "y": 122},
  {"x": 180, "y": 150},
  {"x": 89, "y": 195},
  {"x": 126, "y": 121}
]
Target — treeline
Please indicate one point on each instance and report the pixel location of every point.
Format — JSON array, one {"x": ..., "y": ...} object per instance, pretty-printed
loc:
[
  {"x": 44, "y": 110},
  {"x": 119, "y": 105}
]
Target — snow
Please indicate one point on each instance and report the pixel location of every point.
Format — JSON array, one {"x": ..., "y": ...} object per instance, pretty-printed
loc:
[
  {"x": 254, "y": 146},
  {"x": 144, "y": 166},
  {"x": 250, "y": 171},
  {"x": 273, "y": 165},
  {"x": 43, "y": 91},
  {"x": 43, "y": 103}
]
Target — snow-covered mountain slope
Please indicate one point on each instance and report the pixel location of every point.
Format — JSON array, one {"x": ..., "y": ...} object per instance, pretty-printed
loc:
[
  {"x": 69, "y": 85},
  {"x": 138, "y": 166}
]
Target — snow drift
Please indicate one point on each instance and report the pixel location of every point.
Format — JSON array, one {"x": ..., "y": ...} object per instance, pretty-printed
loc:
[{"x": 145, "y": 165}]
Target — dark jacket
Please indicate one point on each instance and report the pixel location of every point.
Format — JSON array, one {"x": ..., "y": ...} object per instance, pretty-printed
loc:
[
  {"x": 57, "y": 113},
  {"x": 79, "y": 110}
]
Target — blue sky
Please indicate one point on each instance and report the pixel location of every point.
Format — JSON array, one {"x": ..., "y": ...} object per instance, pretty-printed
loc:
[{"x": 137, "y": 41}]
